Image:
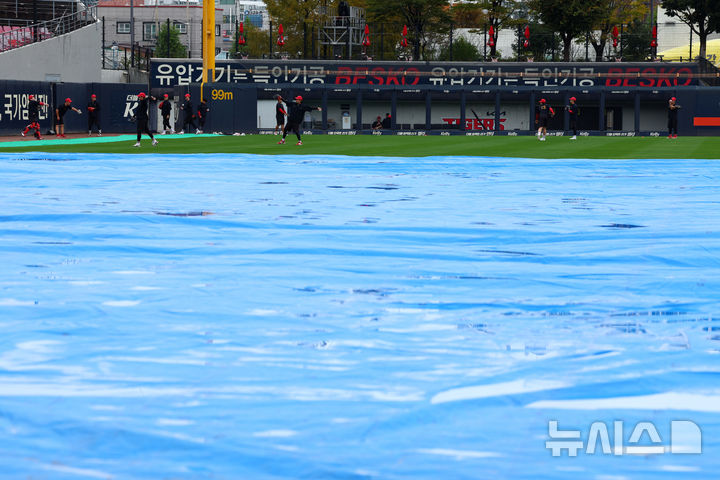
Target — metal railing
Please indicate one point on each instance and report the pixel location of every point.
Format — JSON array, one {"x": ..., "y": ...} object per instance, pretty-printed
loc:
[
  {"x": 13, "y": 35},
  {"x": 710, "y": 72},
  {"x": 124, "y": 57}
]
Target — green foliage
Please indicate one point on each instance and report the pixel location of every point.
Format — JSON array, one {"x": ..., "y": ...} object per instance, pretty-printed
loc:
[
  {"x": 543, "y": 43},
  {"x": 501, "y": 14},
  {"x": 636, "y": 41},
  {"x": 293, "y": 15},
  {"x": 703, "y": 16},
  {"x": 257, "y": 42},
  {"x": 619, "y": 12},
  {"x": 462, "y": 51},
  {"x": 468, "y": 15},
  {"x": 169, "y": 37},
  {"x": 425, "y": 19},
  {"x": 569, "y": 18}
]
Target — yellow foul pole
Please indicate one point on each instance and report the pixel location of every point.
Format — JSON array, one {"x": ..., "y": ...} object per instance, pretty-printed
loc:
[{"x": 208, "y": 31}]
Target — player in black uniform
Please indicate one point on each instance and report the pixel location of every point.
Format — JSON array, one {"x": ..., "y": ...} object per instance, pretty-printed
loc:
[
  {"x": 60, "y": 112},
  {"x": 202, "y": 113},
  {"x": 574, "y": 112},
  {"x": 280, "y": 115},
  {"x": 541, "y": 118},
  {"x": 93, "y": 114},
  {"x": 165, "y": 109},
  {"x": 141, "y": 118},
  {"x": 387, "y": 122},
  {"x": 33, "y": 116},
  {"x": 672, "y": 117},
  {"x": 296, "y": 112},
  {"x": 188, "y": 115},
  {"x": 377, "y": 124}
]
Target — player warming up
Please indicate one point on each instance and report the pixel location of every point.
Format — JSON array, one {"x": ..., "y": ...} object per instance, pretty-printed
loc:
[
  {"x": 280, "y": 115},
  {"x": 141, "y": 117},
  {"x": 93, "y": 109},
  {"x": 202, "y": 113},
  {"x": 188, "y": 115},
  {"x": 673, "y": 108},
  {"x": 60, "y": 112},
  {"x": 541, "y": 118},
  {"x": 296, "y": 112},
  {"x": 165, "y": 109},
  {"x": 34, "y": 116},
  {"x": 574, "y": 112}
]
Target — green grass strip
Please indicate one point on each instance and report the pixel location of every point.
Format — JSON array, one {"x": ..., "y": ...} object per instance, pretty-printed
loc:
[{"x": 393, "y": 146}]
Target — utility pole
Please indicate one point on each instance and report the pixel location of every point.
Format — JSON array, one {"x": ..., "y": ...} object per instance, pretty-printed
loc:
[{"x": 132, "y": 34}]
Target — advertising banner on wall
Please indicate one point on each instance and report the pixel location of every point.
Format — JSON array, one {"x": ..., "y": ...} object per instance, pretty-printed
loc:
[
  {"x": 15, "y": 97},
  {"x": 167, "y": 73},
  {"x": 117, "y": 105}
]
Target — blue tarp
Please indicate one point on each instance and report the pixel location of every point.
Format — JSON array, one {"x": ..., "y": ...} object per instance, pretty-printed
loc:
[{"x": 263, "y": 317}]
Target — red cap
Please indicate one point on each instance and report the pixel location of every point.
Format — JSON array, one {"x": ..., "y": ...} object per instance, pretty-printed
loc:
[
  {"x": 542, "y": 100},
  {"x": 166, "y": 95},
  {"x": 31, "y": 97},
  {"x": 298, "y": 98},
  {"x": 573, "y": 99},
  {"x": 673, "y": 99},
  {"x": 141, "y": 94},
  {"x": 93, "y": 96},
  {"x": 69, "y": 100},
  {"x": 187, "y": 95}
]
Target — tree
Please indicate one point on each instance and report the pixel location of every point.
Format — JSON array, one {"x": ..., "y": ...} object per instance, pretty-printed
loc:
[
  {"x": 467, "y": 15},
  {"x": 702, "y": 16},
  {"x": 636, "y": 44},
  {"x": 500, "y": 15},
  {"x": 462, "y": 49},
  {"x": 617, "y": 12},
  {"x": 422, "y": 17},
  {"x": 256, "y": 42},
  {"x": 168, "y": 43},
  {"x": 297, "y": 18},
  {"x": 542, "y": 40},
  {"x": 569, "y": 18}
]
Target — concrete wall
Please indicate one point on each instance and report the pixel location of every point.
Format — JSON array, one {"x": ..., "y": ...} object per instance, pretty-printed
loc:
[
  {"x": 73, "y": 57},
  {"x": 190, "y": 16}
]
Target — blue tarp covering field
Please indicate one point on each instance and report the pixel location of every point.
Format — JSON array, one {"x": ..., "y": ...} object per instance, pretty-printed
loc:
[{"x": 263, "y": 317}]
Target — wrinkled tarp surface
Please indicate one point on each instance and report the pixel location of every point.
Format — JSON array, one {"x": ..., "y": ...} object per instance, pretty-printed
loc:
[{"x": 262, "y": 317}]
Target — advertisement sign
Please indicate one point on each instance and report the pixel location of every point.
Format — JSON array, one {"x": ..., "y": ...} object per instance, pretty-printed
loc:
[{"x": 166, "y": 73}]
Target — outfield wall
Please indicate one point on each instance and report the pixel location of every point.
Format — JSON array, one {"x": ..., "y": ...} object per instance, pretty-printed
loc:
[{"x": 349, "y": 110}]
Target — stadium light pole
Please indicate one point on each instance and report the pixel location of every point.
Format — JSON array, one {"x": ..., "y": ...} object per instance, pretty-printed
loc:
[
  {"x": 652, "y": 22},
  {"x": 485, "y": 12},
  {"x": 652, "y": 12}
]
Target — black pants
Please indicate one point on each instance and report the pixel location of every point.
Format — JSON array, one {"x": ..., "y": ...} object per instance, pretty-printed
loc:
[
  {"x": 292, "y": 127},
  {"x": 166, "y": 122},
  {"x": 279, "y": 120},
  {"x": 142, "y": 127},
  {"x": 201, "y": 120},
  {"x": 93, "y": 120},
  {"x": 672, "y": 125},
  {"x": 573, "y": 125},
  {"x": 189, "y": 120}
]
